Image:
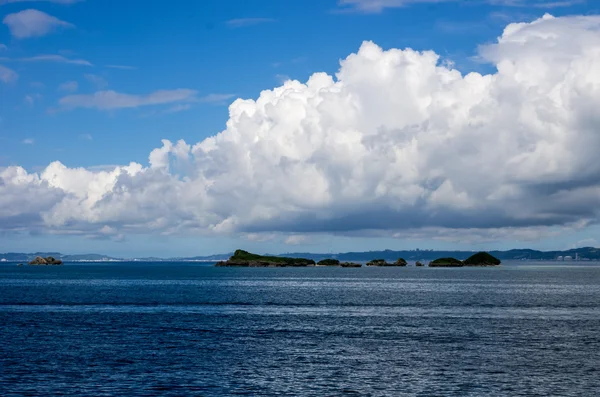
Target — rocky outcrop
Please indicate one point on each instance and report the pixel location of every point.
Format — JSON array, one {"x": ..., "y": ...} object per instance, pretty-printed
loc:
[
  {"x": 400, "y": 262},
  {"x": 383, "y": 262},
  {"x": 46, "y": 261},
  {"x": 350, "y": 264},
  {"x": 246, "y": 259},
  {"x": 419, "y": 264},
  {"x": 482, "y": 259}
]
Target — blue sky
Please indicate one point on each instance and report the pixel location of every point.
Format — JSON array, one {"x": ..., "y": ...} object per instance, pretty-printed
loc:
[{"x": 169, "y": 71}]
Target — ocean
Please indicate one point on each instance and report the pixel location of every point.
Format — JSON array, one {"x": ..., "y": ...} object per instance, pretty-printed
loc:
[{"x": 178, "y": 329}]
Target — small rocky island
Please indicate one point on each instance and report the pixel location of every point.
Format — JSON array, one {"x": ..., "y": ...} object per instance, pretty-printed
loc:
[
  {"x": 335, "y": 262},
  {"x": 478, "y": 259},
  {"x": 39, "y": 261},
  {"x": 383, "y": 262}
]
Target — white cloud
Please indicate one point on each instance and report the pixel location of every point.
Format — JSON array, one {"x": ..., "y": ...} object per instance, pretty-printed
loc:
[
  {"x": 397, "y": 144},
  {"x": 109, "y": 100},
  {"x": 8, "y": 75},
  {"x": 55, "y": 58},
  {"x": 69, "y": 86},
  {"x": 33, "y": 23},
  {"x": 243, "y": 22},
  {"x": 28, "y": 141}
]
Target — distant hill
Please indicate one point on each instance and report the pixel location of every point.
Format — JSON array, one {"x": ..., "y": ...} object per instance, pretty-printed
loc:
[{"x": 587, "y": 253}]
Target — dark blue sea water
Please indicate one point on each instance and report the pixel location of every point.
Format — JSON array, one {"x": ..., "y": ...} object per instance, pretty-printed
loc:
[{"x": 180, "y": 329}]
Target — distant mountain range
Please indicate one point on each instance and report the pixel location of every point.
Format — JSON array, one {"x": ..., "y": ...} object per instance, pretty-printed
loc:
[{"x": 587, "y": 253}]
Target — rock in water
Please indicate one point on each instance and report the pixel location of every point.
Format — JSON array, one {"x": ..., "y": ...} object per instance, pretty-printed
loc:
[
  {"x": 400, "y": 262},
  {"x": 38, "y": 261},
  {"x": 45, "y": 261}
]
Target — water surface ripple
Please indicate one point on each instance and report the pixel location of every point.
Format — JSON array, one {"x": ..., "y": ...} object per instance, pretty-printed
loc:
[{"x": 176, "y": 329}]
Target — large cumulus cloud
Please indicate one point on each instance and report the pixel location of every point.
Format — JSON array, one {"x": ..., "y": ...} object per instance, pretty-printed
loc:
[{"x": 397, "y": 141}]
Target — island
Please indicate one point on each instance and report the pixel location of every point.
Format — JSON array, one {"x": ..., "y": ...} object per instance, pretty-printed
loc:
[
  {"x": 478, "y": 259},
  {"x": 328, "y": 262},
  {"x": 45, "y": 261},
  {"x": 482, "y": 259},
  {"x": 419, "y": 264},
  {"x": 335, "y": 262},
  {"x": 383, "y": 262},
  {"x": 243, "y": 258},
  {"x": 446, "y": 262}
]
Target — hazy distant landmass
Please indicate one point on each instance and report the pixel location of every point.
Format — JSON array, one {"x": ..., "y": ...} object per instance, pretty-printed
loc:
[{"x": 586, "y": 253}]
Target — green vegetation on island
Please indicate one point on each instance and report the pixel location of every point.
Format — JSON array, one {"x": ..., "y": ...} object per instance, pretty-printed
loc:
[
  {"x": 482, "y": 259},
  {"x": 242, "y": 258},
  {"x": 350, "y": 264},
  {"x": 377, "y": 262},
  {"x": 328, "y": 262},
  {"x": 246, "y": 259},
  {"x": 400, "y": 262},
  {"x": 383, "y": 262},
  {"x": 446, "y": 262},
  {"x": 478, "y": 259}
]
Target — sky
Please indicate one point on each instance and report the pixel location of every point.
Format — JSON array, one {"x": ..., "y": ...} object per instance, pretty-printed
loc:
[{"x": 190, "y": 128}]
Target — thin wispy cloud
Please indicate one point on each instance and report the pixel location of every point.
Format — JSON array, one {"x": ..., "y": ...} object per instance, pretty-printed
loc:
[
  {"x": 31, "y": 99},
  {"x": 243, "y": 22},
  {"x": 111, "y": 100},
  {"x": 3, "y": 47},
  {"x": 28, "y": 141},
  {"x": 55, "y": 58},
  {"x": 38, "y": 85},
  {"x": 215, "y": 98},
  {"x": 33, "y": 23},
  {"x": 377, "y": 6},
  {"x": 69, "y": 86},
  {"x": 8, "y": 75},
  {"x": 122, "y": 67},
  {"x": 99, "y": 82}
]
